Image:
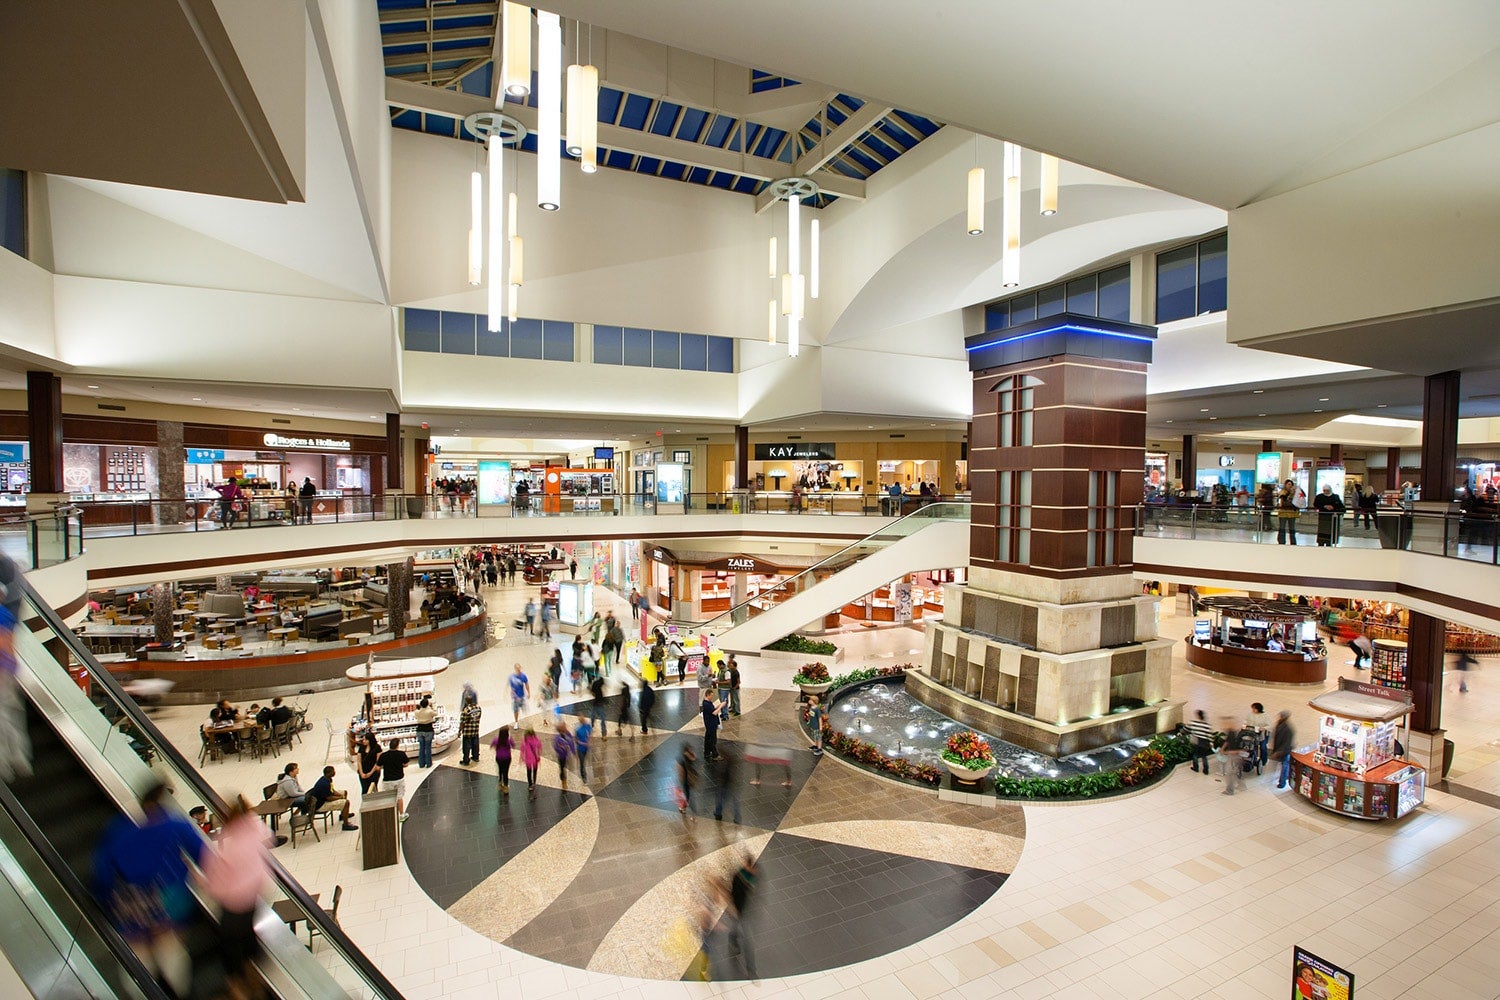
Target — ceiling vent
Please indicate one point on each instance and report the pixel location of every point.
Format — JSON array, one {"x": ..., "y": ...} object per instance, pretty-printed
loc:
[
  {"x": 280, "y": 420},
  {"x": 112, "y": 406}
]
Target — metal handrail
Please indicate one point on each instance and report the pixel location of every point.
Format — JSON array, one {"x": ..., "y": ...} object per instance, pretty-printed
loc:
[
  {"x": 74, "y": 888},
  {"x": 314, "y": 914},
  {"x": 931, "y": 511}
]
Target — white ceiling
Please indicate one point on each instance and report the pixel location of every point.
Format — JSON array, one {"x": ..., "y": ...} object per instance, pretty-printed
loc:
[{"x": 1224, "y": 103}]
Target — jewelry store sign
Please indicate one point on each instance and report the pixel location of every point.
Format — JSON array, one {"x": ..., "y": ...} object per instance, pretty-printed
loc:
[
  {"x": 806, "y": 450},
  {"x": 274, "y": 440}
]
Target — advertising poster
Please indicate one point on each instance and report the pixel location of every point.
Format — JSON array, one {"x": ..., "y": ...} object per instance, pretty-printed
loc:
[
  {"x": 901, "y": 597},
  {"x": 669, "y": 482},
  {"x": 1315, "y": 979},
  {"x": 1202, "y": 630},
  {"x": 494, "y": 482},
  {"x": 1268, "y": 467},
  {"x": 1333, "y": 477}
]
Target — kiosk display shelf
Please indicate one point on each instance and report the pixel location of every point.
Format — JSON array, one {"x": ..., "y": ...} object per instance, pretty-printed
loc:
[
  {"x": 395, "y": 687},
  {"x": 1353, "y": 769},
  {"x": 1388, "y": 663}
]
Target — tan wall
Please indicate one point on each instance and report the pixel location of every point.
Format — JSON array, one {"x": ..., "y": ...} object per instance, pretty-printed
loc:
[{"x": 943, "y": 447}]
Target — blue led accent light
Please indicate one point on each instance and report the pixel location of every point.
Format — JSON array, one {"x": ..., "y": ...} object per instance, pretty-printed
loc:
[{"x": 1064, "y": 328}]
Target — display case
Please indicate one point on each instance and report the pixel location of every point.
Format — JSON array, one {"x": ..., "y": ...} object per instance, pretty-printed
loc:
[
  {"x": 1355, "y": 745},
  {"x": 1388, "y": 663},
  {"x": 1353, "y": 769},
  {"x": 393, "y": 699}
]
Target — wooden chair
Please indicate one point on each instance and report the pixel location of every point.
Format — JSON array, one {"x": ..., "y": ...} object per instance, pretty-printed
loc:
[
  {"x": 282, "y": 734},
  {"x": 338, "y": 894},
  {"x": 265, "y": 742},
  {"x": 210, "y": 749},
  {"x": 299, "y": 820}
]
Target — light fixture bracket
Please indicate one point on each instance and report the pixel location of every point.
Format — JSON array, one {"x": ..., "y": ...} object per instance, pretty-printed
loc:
[
  {"x": 788, "y": 188},
  {"x": 487, "y": 123}
]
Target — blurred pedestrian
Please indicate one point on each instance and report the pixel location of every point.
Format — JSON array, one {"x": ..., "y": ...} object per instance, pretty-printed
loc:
[
  {"x": 520, "y": 691},
  {"x": 771, "y": 756},
  {"x": 140, "y": 874},
  {"x": 235, "y": 874},
  {"x": 1464, "y": 662},
  {"x": 1261, "y": 723},
  {"x": 582, "y": 737},
  {"x": 648, "y": 701},
  {"x": 531, "y": 756},
  {"x": 563, "y": 746},
  {"x": 1201, "y": 736},
  {"x": 741, "y": 892},
  {"x": 710, "y": 710},
  {"x": 726, "y": 783},
  {"x": 503, "y": 747},
  {"x": 15, "y": 743},
  {"x": 687, "y": 778},
  {"x": 1281, "y": 747},
  {"x": 623, "y": 723},
  {"x": 598, "y": 706},
  {"x": 1233, "y": 751},
  {"x": 468, "y": 725}
]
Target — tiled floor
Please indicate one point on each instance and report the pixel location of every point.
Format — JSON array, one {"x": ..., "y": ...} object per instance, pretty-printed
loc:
[{"x": 1177, "y": 891}]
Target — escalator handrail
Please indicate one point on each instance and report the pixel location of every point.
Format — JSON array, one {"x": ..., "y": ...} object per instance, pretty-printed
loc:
[
  {"x": 921, "y": 513},
  {"x": 119, "y": 949},
  {"x": 314, "y": 914}
]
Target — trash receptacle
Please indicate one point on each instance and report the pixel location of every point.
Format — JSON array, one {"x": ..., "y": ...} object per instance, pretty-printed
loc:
[
  {"x": 1447, "y": 757},
  {"x": 379, "y": 830}
]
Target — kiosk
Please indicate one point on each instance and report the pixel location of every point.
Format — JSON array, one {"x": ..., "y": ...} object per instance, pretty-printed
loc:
[
  {"x": 1354, "y": 769},
  {"x": 1242, "y": 636},
  {"x": 392, "y": 690}
]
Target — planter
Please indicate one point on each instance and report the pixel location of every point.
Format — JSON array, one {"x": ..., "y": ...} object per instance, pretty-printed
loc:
[
  {"x": 817, "y": 689},
  {"x": 777, "y": 654},
  {"x": 968, "y": 774}
]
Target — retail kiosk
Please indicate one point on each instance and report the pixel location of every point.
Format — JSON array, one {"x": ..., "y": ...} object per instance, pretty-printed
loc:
[
  {"x": 1354, "y": 769},
  {"x": 393, "y": 689}
]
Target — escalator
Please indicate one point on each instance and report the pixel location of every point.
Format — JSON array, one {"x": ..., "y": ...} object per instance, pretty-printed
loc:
[{"x": 92, "y": 757}]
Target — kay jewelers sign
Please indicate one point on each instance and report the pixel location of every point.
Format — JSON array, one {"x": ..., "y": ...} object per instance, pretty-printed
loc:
[{"x": 274, "y": 440}]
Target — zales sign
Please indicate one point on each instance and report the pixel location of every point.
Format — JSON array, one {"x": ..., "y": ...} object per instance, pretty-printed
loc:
[
  {"x": 740, "y": 563},
  {"x": 274, "y": 440}
]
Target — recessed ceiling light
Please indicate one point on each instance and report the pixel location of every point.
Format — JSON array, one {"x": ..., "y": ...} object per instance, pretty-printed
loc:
[
  {"x": 197, "y": 399},
  {"x": 1260, "y": 414},
  {"x": 1257, "y": 391},
  {"x": 1380, "y": 406},
  {"x": 1169, "y": 421},
  {"x": 1213, "y": 418},
  {"x": 1322, "y": 399},
  {"x": 1317, "y": 411},
  {"x": 1204, "y": 410},
  {"x": 93, "y": 387}
]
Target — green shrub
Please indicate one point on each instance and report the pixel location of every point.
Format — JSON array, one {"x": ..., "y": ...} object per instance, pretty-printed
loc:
[{"x": 796, "y": 644}]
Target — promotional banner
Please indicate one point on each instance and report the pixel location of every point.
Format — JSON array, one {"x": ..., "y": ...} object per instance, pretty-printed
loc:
[
  {"x": 494, "y": 482},
  {"x": 669, "y": 482},
  {"x": 901, "y": 597},
  {"x": 1315, "y": 979}
]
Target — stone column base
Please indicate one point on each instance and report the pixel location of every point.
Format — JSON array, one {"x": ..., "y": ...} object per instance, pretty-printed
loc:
[{"x": 1426, "y": 749}]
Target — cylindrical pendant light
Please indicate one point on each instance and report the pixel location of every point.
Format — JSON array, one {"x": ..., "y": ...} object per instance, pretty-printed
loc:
[
  {"x": 514, "y": 202},
  {"x": 976, "y": 201},
  {"x": 588, "y": 122},
  {"x": 772, "y": 258},
  {"x": 476, "y": 228},
  {"x": 771, "y": 322},
  {"x": 1049, "y": 185},
  {"x": 514, "y": 296},
  {"x": 575, "y": 113},
  {"x": 1010, "y": 261},
  {"x": 812, "y": 251},
  {"x": 548, "y": 111},
  {"x": 517, "y": 261},
  {"x": 515, "y": 71},
  {"x": 497, "y": 231}
]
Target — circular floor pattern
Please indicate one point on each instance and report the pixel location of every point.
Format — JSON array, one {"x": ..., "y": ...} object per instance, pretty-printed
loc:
[{"x": 601, "y": 875}]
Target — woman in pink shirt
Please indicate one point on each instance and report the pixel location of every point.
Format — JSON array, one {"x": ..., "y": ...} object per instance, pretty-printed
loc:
[
  {"x": 235, "y": 874},
  {"x": 531, "y": 756}
]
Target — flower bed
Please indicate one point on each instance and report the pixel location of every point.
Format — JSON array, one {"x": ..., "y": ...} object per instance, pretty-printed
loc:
[
  {"x": 1149, "y": 763},
  {"x": 862, "y": 752},
  {"x": 797, "y": 644},
  {"x": 811, "y": 673},
  {"x": 969, "y": 750}
]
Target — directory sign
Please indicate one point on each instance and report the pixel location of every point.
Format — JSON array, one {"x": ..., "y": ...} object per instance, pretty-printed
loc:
[
  {"x": 669, "y": 480},
  {"x": 1315, "y": 979},
  {"x": 494, "y": 482},
  {"x": 1202, "y": 631}
]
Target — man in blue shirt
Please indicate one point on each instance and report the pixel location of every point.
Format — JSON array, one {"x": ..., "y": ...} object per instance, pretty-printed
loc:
[
  {"x": 582, "y": 733},
  {"x": 520, "y": 691},
  {"x": 323, "y": 791}
]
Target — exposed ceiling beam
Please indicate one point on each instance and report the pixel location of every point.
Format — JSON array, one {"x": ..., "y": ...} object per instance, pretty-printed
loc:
[
  {"x": 438, "y": 35},
  {"x": 416, "y": 97},
  {"x": 439, "y": 13},
  {"x": 828, "y": 183},
  {"x": 471, "y": 66},
  {"x": 446, "y": 55},
  {"x": 835, "y": 142}
]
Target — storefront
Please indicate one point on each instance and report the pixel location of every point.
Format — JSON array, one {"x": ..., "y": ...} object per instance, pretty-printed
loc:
[
  {"x": 1354, "y": 769},
  {"x": 345, "y": 470},
  {"x": 697, "y": 586},
  {"x": 1273, "y": 642}
]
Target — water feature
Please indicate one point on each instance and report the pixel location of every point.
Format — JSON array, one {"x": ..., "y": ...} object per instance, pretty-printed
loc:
[{"x": 885, "y": 715}]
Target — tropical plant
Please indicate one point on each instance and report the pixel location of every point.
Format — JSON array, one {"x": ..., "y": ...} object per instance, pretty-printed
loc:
[
  {"x": 796, "y": 644},
  {"x": 969, "y": 749},
  {"x": 811, "y": 673}
]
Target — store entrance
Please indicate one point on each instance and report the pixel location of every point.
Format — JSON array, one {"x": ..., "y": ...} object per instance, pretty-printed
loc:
[{"x": 645, "y": 487}]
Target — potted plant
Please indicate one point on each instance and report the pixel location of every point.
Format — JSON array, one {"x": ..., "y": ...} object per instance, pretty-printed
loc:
[
  {"x": 968, "y": 756},
  {"x": 813, "y": 678}
]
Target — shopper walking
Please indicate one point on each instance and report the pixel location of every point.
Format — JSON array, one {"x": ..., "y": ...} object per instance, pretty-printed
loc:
[
  {"x": 468, "y": 725},
  {"x": 563, "y": 746},
  {"x": 530, "y": 615},
  {"x": 1234, "y": 755},
  {"x": 1261, "y": 723},
  {"x": 520, "y": 692},
  {"x": 230, "y": 496},
  {"x": 236, "y": 871},
  {"x": 546, "y": 618},
  {"x": 710, "y": 711},
  {"x": 531, "y": 757},
  {"x": 306, "y": 495},
  {"x": 598, "y": 707},
  {"x": 687, "y": 779},
  {"x": 1281, "y": 747},
  {"x": 1201, "y": 734},
  {"x": 141, "y": 876},
  {"x": 424, "y": 717},
  {"x": 1463, "y": 664},
  {"x": 15, "y": 741},
  {"x": 582, "y": 734},
  {"x": 623, "y": 723},
  {"x": 503, "y": 747},
  {"x": 635, "y": 604},
  {"x": 726, "y": 783},
  {"x": 741, "y": 893},
  {"x": 648, "y": 701},
  {"x": 393, "y": 772}
]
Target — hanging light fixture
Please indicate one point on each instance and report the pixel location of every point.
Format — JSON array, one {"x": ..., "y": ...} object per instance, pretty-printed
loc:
[
  {"x": 793, "y": 283},
  {"x": 812, "y": 251},
  {"x": 515, "y": 71},
  {"x": 548, "y": 111},
  {"x": 497, "y": 131},
  {"x": 1010, "y": 261},
  {"x": 588, "y": 128},
  {"x": 1049, "y": 184},
  {"x": 976, "y": 194},
  {"x": 574, "y": 139},
  {"x": 772, "y": 258},
  {"x": 517, "y": 265},
  {"x": 476, "y": 225}
]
